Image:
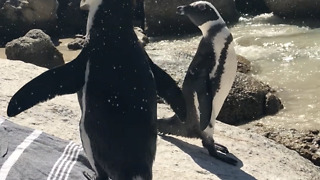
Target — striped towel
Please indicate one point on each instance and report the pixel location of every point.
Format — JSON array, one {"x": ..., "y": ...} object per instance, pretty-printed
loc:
[{"x": 31, "y": 154}]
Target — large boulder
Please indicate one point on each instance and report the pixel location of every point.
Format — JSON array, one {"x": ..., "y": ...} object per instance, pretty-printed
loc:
[
  {"x": 249, "y": 99},
  {"x": 19, "y": 16},
  {"x": 251, "y": 7},
  {"x": 35, "y": 47},
  {"x": 295, "y": 8},
  {"x": 161, "y": 17}
]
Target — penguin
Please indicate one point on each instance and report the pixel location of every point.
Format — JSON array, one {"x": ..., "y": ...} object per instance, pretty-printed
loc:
[
  {"x": 208, "y": 80},
  {"x": 116, "y": 90}
]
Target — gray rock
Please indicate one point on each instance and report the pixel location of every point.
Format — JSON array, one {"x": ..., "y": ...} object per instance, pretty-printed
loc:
[
  {"x": 303, "y": 142},
  {"x": 77, "y": 43},
  {"x": 273, "y": 104},
  {"x": 161, "y": 17},
  {"x": 295, "y": 8},
  {"x": 19, "y": 16},
  {"x": 35, "y": 47},
  {"x": 30, "y": 11},
  {"x": 244, "y": 65},
  {"x": 249, "y": 99}
]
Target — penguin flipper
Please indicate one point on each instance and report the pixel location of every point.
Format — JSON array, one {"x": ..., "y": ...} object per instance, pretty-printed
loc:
[
  {"x": 205, "y": 97},
  {"x": 65, "y": 79},
  {"x": 168, "y": 89}
]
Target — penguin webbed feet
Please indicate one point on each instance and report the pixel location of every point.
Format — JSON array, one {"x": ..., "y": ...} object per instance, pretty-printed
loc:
[
  {"x": 222, "y": 155},
  {"x": 221, "y": 148},
  {"x": 90, "y": 176}
]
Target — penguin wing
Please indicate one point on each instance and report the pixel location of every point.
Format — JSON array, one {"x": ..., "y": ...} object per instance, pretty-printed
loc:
[
  {"x": 65, "y": 79},
  {"x": 199, "y": 69},
  {"x": 205, "y": 97},
  {"x": 168, "y": 89}
]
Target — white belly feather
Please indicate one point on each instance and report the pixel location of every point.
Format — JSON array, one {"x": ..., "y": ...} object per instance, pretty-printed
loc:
[
  {"x": 83, "y": 133},
  {"x": 227, "y": 78}
]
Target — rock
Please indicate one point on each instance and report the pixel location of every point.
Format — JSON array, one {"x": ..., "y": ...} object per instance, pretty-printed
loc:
[
  {"x": 77, "y": 43},
  {"x": 35, "y": 47},
  {"x": 161, "y": 17},
  {"x": 251, "y": 7},
  {"x": 244, "y": 65},
  {"x": 31, "y": 11},
  {"x": 19, "y": 16},
  {"x": 315, "y": 132},
  {"x": 249, "y": 99},
  {"x": 303, "y": 142},
  {"x": 295, "y": 8},
  {"x": 273, "y": 104}
]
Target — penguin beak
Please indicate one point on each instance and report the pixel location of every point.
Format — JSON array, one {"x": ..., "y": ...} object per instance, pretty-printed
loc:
[{"x": 180, "y": 10}]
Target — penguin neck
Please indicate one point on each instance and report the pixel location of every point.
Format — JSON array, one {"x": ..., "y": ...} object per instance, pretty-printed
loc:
[
  {"x": 211, "y": 28},
  {"x": 110, "y": 22}
]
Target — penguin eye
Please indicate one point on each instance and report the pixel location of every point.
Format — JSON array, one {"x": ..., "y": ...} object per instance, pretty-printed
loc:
[{"x": 201, "y": 7}]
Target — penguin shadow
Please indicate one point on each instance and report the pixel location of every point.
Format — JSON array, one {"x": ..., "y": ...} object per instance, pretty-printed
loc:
[{"x": 205, "y": 161}]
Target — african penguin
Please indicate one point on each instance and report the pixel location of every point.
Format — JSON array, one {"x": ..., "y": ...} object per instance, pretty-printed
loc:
[
  {"x": 116, "y": 91},
  {"x": 167, "y": 87},
  {"x": 208, "y": 80}
]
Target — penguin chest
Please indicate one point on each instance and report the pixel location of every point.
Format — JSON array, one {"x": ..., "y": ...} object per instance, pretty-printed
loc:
[{"x": 223, "y": 73}]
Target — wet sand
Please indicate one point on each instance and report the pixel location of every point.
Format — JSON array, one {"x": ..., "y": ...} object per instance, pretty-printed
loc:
[
  {"x": 2, "y": 53},
  {"x": 68, "y": 54}
]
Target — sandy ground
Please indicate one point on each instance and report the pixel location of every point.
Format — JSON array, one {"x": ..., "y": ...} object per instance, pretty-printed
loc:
[
  {"x": 2, "y": 53},
  {"x": 68, "y": 55},
  {"x": 177, "y": 158}
]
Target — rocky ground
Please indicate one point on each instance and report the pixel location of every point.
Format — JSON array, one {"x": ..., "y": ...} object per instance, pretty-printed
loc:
[
  {"x": 177, "y": 158},
  {"x": 306, "y": 143}
]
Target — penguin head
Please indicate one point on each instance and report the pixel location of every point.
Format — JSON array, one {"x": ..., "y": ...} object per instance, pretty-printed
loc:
[
  {"x": 107, "y": 12},
  {"x": 200, "y": 12}
]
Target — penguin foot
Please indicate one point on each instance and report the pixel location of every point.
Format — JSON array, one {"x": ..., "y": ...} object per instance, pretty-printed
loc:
[
  {"x": 214, "y": 153},
  {"x": 89, "y": 176},
  {"x": 221, "y": 148},
  {"x": 224, "y": 158}
]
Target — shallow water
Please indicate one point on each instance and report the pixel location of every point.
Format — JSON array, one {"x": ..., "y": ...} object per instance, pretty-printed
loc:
[
  {"x": 285, "y": 56},
  {"x": 288, "y": 58}
]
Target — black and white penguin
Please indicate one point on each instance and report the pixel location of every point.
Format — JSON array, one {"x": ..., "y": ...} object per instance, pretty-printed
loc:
[
  {"x": 116, "y": 90},
  {"x": 208, "y": 80}
]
